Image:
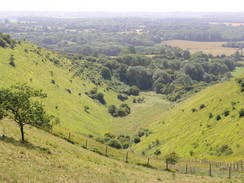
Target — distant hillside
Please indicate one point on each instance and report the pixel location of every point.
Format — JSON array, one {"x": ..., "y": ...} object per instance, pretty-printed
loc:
[{"x": 206, "y": 125}]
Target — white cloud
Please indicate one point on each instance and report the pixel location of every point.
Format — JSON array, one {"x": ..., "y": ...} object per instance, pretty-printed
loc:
[{"x": 123, "y": 5}]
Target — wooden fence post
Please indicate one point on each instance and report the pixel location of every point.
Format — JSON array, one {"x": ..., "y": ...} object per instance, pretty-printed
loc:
[
  {"x": 127, "y": 157},
  {"x": 86, "y": 144},
  {"x": 210, "y": 169},
  {"x": 229, "y": 172},
  {"x": 148, "y": 161},
  {"x": 69, "y": 135},
  {"x": 186, "y": 168},
  {"x": 106, "y": 150}
]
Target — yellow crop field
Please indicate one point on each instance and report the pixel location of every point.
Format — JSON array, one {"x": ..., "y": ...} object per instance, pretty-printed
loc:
[{"x": 214, "y": 48}]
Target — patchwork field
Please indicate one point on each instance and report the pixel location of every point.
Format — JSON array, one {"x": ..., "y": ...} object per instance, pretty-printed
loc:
[{"x": 214, "y": 48}]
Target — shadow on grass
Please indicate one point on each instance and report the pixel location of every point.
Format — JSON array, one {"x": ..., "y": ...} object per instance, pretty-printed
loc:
[{"x": 26, "y": 144}]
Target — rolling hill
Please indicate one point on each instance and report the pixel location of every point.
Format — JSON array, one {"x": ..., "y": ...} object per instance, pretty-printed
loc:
[{"x": 206, "y": 125}]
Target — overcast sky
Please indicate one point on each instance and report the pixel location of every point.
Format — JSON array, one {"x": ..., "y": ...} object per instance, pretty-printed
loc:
[{"x": 123, "y": 5}]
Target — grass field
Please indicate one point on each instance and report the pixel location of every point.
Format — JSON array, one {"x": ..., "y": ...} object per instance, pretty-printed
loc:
[
  {"x": 142, "y": 114},
  {"x": 187, "y": 132},
  {"x": 214, "y": 48},
  {"x": 46, "y": 158}
]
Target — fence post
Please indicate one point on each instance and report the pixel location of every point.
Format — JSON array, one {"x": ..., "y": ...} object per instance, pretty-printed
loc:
[
  {"x": 86, "y": 144},
  {"x": 148, "y": 161},
  {"x": 69, "y": 135},
  {"x": 229, "y": 172},
  {"x": 127, "y": 157},
  {"x": 106, "y": 150},
  {"x": 210, "y": 169},
  {"x": 186, "y": 168}
]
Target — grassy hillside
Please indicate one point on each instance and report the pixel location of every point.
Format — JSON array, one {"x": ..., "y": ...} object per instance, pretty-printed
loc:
[
  {"x": 41, "y": 69},
  {"x": 47, "y": 158},
  {"x": 191, "y": 128}
]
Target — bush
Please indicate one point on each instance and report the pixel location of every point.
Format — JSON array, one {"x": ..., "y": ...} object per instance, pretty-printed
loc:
[
  {"x": 218, "y": 117},
  {"x": 122, "y": 97},
  {"x": 226, "y": 113},
  {"x": 12, "y": 63},
  {"x": 115, "y": 143},
  {"x": 133, "y": 90},
  {"x": 106, "y": 73},
  {"x": 210, "y": 115},
  {"x": 241, "y": 113},
  {"x": 122, "y": 111},
  {"x": 193, "y": 110},
  {"x": 202, "y": 106},
  {"x": 157, "y": 152},
  {"x": 96, "y": 96},
  {"x": 100, "y": 98},
  {"x": 113, "y": 110},
  {"x": 137, "y": 140},
  {"x": 224, "y": 149}
]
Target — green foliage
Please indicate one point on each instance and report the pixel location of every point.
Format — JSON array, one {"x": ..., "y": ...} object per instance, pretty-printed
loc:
[
  {"x": 226, "y": 113},
  {"x": 122, "y": 97},
  {"x": 115, "y": 143},
  {"x": 137, "y": 140},
  {"x": 133, "y": 90},
  {"x": 122, "y": 111},
  {"x": 241, "y": 113},
  {"x": 12, "y": 63},
  {"x": 218, "y": 117},
  {"x": 6, "y": 41},
  {"x": 18, "y": 104},
  {"x": 202, "y": 106},
  {"x": 224, "y": 150},
  {"x": 106, "y": 73},
  {"x": 157, "y": 152},
  {"x": 171, "y": 158},
  {"x": 96, "y": 95}
]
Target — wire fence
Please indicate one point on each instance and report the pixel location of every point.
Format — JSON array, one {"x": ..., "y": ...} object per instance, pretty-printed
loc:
[{"x": 195, "y": 167}]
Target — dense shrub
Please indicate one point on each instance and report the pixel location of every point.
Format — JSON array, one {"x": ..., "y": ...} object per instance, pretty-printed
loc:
[
  {"x": 202, "y": 106},
  {"x": 210, "y": 115},
  {"x": 241, "y": 113},
  {"x": 224, "y": 150},
  {"x": 226, "y": 113},
  {"x": 157, "y": 152},
  {"x": 96, "y": 96},
  {"x": 122, "y": 97},
  {"x": 12, "y": 63},
  {"x": 115, "y": 143},
  {"x": 218, "y": 117},
  {"x": 122, "y": 111},
  {"x": 133, "y": 90},
  {"x": 106, "y": 73},
  {"x": 137, "y": 140}
]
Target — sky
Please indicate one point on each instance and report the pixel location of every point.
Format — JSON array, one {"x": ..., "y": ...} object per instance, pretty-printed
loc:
[{"x": 124, "y": 5}]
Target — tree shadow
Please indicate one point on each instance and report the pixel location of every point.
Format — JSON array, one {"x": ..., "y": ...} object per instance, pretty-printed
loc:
[{"x": 25, "y": 144}]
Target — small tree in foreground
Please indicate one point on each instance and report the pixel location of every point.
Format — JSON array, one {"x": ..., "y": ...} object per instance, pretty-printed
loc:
[
  {"x": 172, "y": 159},
  {"x": 18, "y": 104}
]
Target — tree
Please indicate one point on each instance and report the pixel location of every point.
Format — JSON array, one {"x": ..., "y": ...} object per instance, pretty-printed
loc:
[
  {"x": 17, "y": 101},
  {"x": 106, "y": 73},
  {"x": 171, "y": 158}
]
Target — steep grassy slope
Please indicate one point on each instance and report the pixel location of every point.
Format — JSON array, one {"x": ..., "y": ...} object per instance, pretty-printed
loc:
[
  {"x": 38, "y": 67},
  {"x": 47, "y": 158},
  {"x": 189, "y": 130}
]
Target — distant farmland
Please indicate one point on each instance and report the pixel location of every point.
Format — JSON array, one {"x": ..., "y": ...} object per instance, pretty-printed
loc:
[{"x": 214, "y": 48}]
